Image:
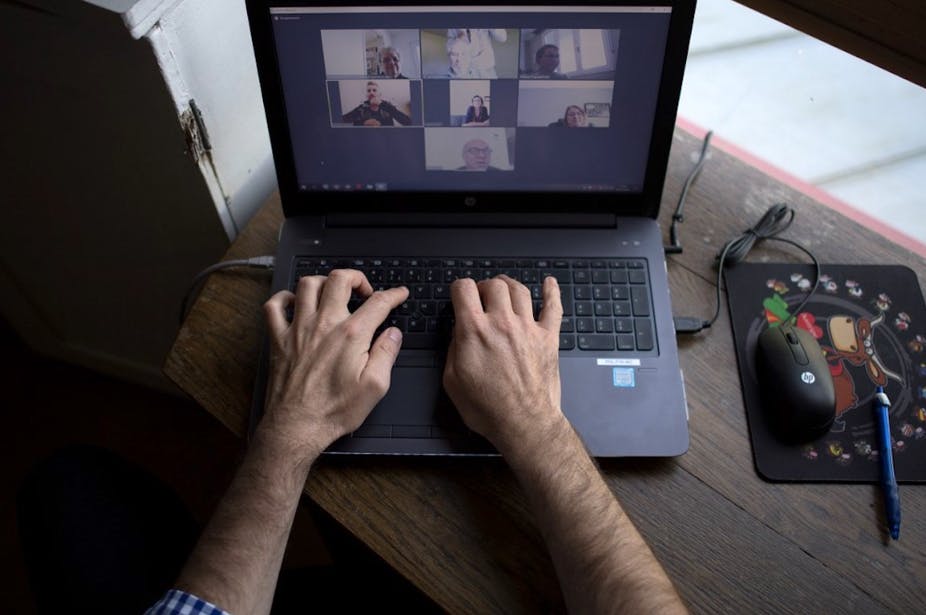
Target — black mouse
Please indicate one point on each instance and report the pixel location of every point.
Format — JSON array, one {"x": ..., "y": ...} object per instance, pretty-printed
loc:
[{"x": 798, "y": 396}]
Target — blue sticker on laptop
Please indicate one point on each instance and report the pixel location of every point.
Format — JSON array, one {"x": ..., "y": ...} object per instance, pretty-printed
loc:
[{"x": 624, "y": 377}]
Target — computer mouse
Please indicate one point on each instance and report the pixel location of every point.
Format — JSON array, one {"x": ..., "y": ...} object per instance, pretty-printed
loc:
[{"x": 798, "y": 395}]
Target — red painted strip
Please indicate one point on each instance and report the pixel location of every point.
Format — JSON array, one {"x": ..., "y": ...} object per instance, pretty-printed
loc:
[{"x": 818, "y": 194}]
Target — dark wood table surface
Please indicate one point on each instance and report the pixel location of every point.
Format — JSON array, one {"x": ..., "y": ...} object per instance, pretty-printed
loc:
[{"x": 460, "y": 528}]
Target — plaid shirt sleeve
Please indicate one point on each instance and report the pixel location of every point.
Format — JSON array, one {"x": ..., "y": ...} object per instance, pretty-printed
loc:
[{"x": 176, "y": 602}]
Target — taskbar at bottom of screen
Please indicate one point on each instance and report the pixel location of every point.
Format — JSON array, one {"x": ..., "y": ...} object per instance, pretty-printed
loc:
[{"x": 399, "y": 187}]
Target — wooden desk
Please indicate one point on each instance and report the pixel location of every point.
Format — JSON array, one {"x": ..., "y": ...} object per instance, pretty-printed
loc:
[{"x": 460, "y": 529}]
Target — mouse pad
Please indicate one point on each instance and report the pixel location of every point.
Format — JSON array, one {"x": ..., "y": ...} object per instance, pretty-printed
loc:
[{"x": 870, "y": 321}]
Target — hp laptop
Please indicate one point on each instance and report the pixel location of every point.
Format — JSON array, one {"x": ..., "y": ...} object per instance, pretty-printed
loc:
[{"x": 424, "y": 143}]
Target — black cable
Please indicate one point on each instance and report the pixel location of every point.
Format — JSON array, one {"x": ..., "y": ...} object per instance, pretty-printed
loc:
[
  {"x": 776, "y": 220},
  {"x": 261, "y": 262},
  {"x": 675, "y": 246}
]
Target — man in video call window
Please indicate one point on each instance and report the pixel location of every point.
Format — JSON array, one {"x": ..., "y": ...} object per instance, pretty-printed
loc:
[
  {"x": 389, "y": 58},
  {"x": 476, "y": 156},
  {"x": 459, "y": 58},
  {"x": 375, "y": 111}
]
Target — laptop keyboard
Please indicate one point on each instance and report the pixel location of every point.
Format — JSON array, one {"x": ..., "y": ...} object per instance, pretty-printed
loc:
[{"x": 606, "y": 302}]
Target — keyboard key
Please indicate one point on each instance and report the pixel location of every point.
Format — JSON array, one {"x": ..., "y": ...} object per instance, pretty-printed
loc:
[
  {"x": 567, "y": 302},
  {"x": 625, "y": 341},
  {"x": 639, "y": 297},
  {"x": 637, "y": 276},
  {"x": 620, "y": 293},
  {"x": 428, "y": 308},
  {"x": 603, "y": 308},
  {"x": 583, "y": 308},
  {"x": 566, "y": 326},
  {"x": 600, "y": 276},
  {"x": 622, "y": 308},
  {"x": 562, "y": 275},
  {"x": 596, "y": 342},
  {"x": 623, "y": 325},
  {"x": 644, "y": 329},
  {"x": 585, "y": 325},
  {"x": 582, "y": 292},
  {"x": 567, "y": 341},
  {"x": 619, "y": 277},
  {"x": 603, "y": 325},
  {"x": 427, "y": 340}
]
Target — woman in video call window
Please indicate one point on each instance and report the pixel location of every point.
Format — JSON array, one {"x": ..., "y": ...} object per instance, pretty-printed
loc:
[
  {"x": 476, "y": 114},
  {"x": 575, "y": 117},
  {"x": 547, "y": 60}
]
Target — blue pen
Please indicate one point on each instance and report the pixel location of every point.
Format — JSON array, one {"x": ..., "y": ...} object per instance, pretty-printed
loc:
[{"x": 888, "y": 481}]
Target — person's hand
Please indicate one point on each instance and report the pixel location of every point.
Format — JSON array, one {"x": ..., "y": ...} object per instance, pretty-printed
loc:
[
  {"x": 502, "y": 370},
  {"x": 372, "y": 122},
  {"x": 325, "y": 377}
]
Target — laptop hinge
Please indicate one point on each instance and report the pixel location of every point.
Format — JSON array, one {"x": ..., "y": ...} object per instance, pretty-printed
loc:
[{"x": 485, "y": 220}]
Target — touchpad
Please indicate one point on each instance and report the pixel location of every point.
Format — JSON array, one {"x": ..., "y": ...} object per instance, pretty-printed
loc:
[{"x": 415, "y": 397}]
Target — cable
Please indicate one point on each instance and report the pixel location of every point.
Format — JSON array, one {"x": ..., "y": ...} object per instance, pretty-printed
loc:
[
  {"x": 773, "y": 222},
  {"x": 260, "y": 262},
  {"x": 675, "y": 246},
  {"x": 776, "y": 220}
]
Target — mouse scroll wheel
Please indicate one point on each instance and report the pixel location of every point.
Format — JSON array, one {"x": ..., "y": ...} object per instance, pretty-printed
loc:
[{"x": 792, "y": 337}]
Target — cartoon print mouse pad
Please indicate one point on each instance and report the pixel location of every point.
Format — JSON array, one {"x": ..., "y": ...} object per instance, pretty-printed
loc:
[{"x": 870, "y": 321}]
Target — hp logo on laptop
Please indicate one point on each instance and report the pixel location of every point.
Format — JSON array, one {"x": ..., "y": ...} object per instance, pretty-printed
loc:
[{"x": 470, "y": 201}]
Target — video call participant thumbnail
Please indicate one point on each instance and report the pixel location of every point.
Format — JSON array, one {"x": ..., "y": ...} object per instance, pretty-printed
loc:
[{"x": 375, "y": 110}]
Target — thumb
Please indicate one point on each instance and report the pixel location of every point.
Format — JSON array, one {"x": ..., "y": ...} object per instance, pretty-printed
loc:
[{"x": 382, "y": 357}]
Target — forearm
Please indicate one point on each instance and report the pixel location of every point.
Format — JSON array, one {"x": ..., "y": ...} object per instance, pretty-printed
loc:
[
  {"x": 602, "y": 562},
  {"x": 237, "y": 560}
]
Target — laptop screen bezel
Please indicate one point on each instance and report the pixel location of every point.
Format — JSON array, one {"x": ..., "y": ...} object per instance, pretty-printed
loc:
[{"x": 298, "y": 202}]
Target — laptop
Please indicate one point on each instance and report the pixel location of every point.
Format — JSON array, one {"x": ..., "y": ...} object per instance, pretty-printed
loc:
[{"x": 532, "y": 141}]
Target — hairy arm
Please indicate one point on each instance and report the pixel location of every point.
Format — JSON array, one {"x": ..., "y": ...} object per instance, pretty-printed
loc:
[
  {"x": 503, "y": 375},
  {"x": 603, "y": 563},
  {"x": 325, "y": 378}
]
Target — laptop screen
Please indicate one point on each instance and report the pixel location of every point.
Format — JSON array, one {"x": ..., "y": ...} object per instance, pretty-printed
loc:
[{"x": 469, "y": 99}]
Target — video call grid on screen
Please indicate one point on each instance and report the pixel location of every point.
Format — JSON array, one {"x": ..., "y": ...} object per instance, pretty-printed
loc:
[{"x": 397, "y": 99}]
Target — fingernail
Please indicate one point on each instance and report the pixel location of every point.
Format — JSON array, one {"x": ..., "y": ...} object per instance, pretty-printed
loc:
[{"x": 394, "y": 334}]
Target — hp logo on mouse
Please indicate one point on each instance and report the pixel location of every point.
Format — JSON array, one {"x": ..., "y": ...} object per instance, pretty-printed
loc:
[{"x": 808, "y": 377}]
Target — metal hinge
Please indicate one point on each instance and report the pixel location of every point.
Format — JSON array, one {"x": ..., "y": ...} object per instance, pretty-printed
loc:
[{"x": 194, "y": 128}]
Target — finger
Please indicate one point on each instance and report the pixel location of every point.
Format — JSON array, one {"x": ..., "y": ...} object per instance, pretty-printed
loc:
[
  {"x": 521, "y": 301},
  {"x": 495, "y": 296},
  {"x": 275, "y": 310},
  {"x": 337, "y": 290},
  {"x": 307, "y": 293},
  {"x": 376, "y": 308},
  {"x": 464, "y": 294},
  {"x": 551, "y": 316},
  {"x": 378, "y": 371}
]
